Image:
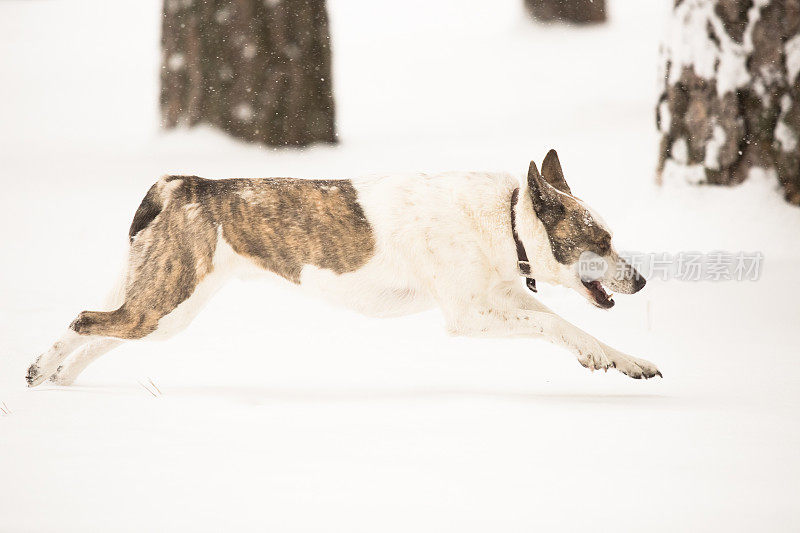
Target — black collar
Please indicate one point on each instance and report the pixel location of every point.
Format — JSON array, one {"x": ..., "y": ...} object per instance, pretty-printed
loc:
[{"x": 522, "y": 256}]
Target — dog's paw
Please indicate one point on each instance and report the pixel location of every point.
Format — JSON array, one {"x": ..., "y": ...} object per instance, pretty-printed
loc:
[
  {"x": 634, "y": 367},
  {"x": 34, "y": 376}
]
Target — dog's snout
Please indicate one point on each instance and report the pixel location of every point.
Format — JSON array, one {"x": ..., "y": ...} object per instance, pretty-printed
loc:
[{"x": 638, "y": 283}]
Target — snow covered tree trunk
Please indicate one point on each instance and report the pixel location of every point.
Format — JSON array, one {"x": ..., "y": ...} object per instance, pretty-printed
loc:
[
  {"x": 258, "y": 69},
  {"x": 731, "y": 96},
  {"x": 574, "y": 11}
]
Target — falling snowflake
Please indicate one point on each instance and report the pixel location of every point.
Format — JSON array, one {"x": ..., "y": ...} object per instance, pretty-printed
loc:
[
  {"x": 249, "y": 51},
  {"x": 244, "y": 112},
  {"x": 176, "y": 62}
]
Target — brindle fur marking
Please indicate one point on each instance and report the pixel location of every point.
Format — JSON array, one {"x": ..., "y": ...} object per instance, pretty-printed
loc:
[
  {"x": 570, "y": 227},
  {"x": 281, "y": 224}
]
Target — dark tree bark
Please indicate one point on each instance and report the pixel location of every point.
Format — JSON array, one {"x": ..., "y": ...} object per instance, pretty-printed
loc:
[
  {"x": 731, "y": 97},
  {"x": 571, "y": 11},
  {"x": 258, "y": 69}
]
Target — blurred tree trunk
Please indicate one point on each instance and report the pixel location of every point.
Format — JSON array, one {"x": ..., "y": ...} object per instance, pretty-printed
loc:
[
  {"x": 257, "y": 69},
  {"x": 731, "y": 96},
  {"x": 574, "y": 11}
]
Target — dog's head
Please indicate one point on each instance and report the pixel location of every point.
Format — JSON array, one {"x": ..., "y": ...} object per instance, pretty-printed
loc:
[{"x": 582, "y": 256}]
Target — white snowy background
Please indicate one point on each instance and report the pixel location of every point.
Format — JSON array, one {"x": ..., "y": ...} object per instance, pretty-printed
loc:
[{"x": 281, "y": 413}]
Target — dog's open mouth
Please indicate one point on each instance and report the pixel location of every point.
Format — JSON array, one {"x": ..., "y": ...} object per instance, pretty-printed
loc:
[{"x": 599, "y": 295}]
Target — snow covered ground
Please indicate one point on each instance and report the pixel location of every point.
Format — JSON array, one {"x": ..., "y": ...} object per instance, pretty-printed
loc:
[{"x": 281, "y": 413}]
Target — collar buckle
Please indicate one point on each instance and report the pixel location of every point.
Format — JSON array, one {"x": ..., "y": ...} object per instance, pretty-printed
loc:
[{"x": 523, "y": 264}]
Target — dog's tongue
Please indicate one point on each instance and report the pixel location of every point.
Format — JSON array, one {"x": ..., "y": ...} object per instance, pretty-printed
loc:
[{"x": 600, "y": 294}]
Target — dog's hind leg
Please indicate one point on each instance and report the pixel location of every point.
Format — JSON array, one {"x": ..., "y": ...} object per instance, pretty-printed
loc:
[
  {"x": 170, "y": 274},
  {"x": 95, "y": 333},
  {"x": 69, "y": 347},
  {"x": 88, "y": 338},
  {"x": 71, "y": 368},
  {"x": 48, "y": 362},
  {"x": 171, "y": 323},
  {"x": 81, "y": 343}
]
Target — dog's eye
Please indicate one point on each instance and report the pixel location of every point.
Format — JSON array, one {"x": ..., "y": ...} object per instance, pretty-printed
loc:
[{"x": 603, "y": 245}]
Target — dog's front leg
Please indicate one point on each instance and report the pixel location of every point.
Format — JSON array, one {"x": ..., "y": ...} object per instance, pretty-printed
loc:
[
  {"x": 516, "y": 297},
  {"x": 492, "y": 322}
]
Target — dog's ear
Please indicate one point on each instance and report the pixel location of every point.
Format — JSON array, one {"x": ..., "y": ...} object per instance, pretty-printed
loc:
[
  {"x": 534, "y": 178},
  {"x": 546, "y": 203},
  {"x": 539, "y": 187},
  {"x": 551, "y": 170}
]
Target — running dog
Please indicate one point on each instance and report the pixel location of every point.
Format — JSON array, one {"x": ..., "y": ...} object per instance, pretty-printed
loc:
[{"x": 383, "y": 246}]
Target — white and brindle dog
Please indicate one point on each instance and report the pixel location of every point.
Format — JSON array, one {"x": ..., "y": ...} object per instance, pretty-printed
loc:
[{"x": 384, "y": 246}]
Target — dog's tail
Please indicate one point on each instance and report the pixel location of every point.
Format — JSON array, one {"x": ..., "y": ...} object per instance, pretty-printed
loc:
[{"x": 151, "y": 206}]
